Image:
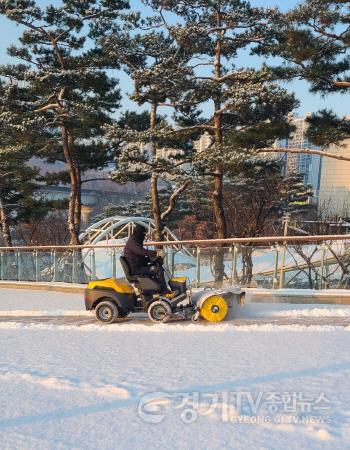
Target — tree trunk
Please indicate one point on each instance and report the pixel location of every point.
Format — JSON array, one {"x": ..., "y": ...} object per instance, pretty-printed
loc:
[
  {"x": 218, "y": 207},
  {"x": 74, "y": 188},
  {"x": 247, "y": 265},
  {"x": 158, "y": 223},
  {"x": 77, "y": 212},
  {"x": 6, "y": 234}
]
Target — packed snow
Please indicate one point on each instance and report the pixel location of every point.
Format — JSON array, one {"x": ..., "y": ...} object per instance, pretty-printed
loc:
[{"x": 133, "y": 385}]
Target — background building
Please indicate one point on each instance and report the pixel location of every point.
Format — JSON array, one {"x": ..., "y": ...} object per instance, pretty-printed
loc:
[
  {"x": 203, "y": 142},
  {"x": 308, "y": 165},
  {"x": 334, "y": 196}
]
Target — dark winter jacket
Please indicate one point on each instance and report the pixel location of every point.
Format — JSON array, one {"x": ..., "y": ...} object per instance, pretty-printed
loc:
[{"x": 134, "y": 252}]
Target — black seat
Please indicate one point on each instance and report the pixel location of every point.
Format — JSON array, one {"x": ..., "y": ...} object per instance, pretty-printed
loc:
[
  {"x": 146, "y": 283},
  {"x": 126, "y": 268}
]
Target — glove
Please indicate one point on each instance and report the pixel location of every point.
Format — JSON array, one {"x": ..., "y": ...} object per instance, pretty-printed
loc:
[{"x": 161, "y": 253}]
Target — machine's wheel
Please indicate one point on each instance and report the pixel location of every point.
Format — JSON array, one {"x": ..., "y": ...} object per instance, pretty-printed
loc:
[
  {"x": 213, "y": 308},
  {"x": 159, "y": 311},
  {"x": 107, "y": 311},
  {"x": 195, "y": 317}
]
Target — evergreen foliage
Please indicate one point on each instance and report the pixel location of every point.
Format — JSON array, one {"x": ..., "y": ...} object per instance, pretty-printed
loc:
[
  {"x": 313, "y": 40},
  {"x": 71, "y": 96}
]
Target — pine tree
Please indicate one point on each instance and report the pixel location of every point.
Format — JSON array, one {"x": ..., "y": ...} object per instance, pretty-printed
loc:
[
  {"x": 248, "y": 111},
  {"x": 20, "y": 200},
  {"x": 314, "y": 41},
  {"x": 17, "y": 179},
  {"x": 326, "y": 128},
  {"x": 18, "y": 203},
  {"x": 71, "y": 95},
  {"x": 143, "y": 208},
  {"x": 156, "y": 65}
]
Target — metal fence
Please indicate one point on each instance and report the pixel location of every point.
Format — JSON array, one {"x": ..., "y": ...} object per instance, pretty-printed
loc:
[{"x": 316, "y": 262}]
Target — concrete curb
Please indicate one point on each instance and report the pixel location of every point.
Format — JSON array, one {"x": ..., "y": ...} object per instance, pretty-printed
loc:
[
  {"x": 303, "y": 297},
  {"x": 269, "y": 296},
  {"x": 302, "y": 300},
  {"x": 54, "y": 287}
]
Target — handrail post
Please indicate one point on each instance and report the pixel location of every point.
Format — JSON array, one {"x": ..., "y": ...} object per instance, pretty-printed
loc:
[
  {"x": 169, "y": 255},
  {"x": 54, "y": 266},
  {"x": 198, "y": 267},
  {"x": 19, "y": 267},
  {"x": 282, "y": 265},
  {"x": 172, "y": 262},
  {"x": 234, "y": 252},
  {"x": 4, "y": 264},
  {"x": 286, "y": 219},
  {"x": 323, "y": 254},
  {"x": 93, "y": 264},
  {"x": 275, "y": 268},
  {"x": 1, "y": 265},
  {"x": 114, "y": 269},
  {"x": 74, "y": 267},
  {"x": 36, "y": 266}
]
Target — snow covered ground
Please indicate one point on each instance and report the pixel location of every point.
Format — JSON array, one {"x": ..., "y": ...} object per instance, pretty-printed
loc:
[{"x": 178, "y": 386}]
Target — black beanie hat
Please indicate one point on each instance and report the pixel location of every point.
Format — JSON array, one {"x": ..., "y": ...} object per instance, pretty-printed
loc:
[{"x": 139, "y": 231}]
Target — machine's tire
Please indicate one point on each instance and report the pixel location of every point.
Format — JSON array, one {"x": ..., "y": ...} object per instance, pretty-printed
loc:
[
  {"x": 159, "y": 311},
  {"x": 195, "y": 318},
  {"x": 107, "y": 311},
  {"x": 213, "y": 308}
]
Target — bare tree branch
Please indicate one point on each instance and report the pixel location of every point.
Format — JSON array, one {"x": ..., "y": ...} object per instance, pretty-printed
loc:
[
  {"x": 173, "y": 198},
  {"x": 305, "y": 151},
  {"x": 341, "y": 83}
]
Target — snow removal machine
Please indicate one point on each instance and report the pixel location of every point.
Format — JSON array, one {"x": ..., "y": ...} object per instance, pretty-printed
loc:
[{"x": 115, "y": 298}]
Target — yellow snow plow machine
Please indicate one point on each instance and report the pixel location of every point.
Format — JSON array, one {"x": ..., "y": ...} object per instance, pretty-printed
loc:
[{"x": 115, "y": 298}]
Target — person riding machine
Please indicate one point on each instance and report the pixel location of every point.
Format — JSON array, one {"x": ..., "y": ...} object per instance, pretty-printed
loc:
[
  {"x": 142, "y": 261},
  {"x": 147, "y": 290},
  {"x": 144, "y": 268}
]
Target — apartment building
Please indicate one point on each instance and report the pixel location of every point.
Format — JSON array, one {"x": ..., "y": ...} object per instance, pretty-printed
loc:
[{"x": 308, "y": 165}]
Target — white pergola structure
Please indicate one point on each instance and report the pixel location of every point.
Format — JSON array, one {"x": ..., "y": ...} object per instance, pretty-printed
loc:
[
  {"x": 117, "y": 229},
  {"x": 120, "y": 227}
]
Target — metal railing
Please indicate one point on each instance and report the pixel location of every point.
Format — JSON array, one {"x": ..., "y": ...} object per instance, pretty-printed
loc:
[{"x": 312, "y": 262}]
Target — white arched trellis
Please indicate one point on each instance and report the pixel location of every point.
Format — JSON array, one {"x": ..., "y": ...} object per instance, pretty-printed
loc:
[
  {"x": 118, "y": 227},
  {"x": 104, "y": 262}
]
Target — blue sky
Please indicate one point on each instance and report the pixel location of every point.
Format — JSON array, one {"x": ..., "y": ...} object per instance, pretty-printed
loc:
[{"x": 308, "y": 102}]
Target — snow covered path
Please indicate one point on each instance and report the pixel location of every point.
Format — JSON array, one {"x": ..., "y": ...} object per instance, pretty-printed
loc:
[
  {"x": 89, "y": 321},
  {"x": 134, "y": 386}
]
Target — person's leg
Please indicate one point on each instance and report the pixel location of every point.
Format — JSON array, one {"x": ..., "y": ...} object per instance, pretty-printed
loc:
[
  {"x": 161, "y": 277},
  {"x": 155, "y": 271},
  {"x": 145, "y": 270},
  {"x": 151, "y": 272}
]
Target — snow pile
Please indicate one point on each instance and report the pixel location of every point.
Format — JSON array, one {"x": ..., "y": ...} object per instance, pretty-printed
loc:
[
  {"x": 20, "y": 299},
  {"x": 169, "y": 329},
  {"x": 314, "y": 312},
  {"x": 274, "y": 309},
  {"x": 36, "y": 313}
]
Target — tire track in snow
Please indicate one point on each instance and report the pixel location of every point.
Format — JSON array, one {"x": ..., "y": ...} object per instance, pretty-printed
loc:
[
  {"x": 64, "y": 384},
  {"x": 133, "y": 400}
]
